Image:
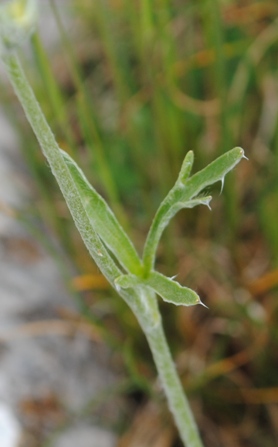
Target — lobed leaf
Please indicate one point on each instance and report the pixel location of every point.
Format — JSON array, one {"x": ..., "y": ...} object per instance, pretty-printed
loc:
[
  {"x": 214, "y": 172},
  {"x": 171, "y": 291},
  {"x": 184, "y": 194},
  {"x": 168, "y": 289}
]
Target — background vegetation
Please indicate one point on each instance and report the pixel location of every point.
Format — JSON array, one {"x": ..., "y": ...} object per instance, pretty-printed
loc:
[{"x": 142, "y": 83}]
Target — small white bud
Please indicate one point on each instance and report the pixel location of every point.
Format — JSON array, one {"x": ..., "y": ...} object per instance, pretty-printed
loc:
[{"x": 18, "y": 19}]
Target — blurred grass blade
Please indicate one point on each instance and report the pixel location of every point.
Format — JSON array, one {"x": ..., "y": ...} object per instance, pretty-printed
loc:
[
  {"x": 52, "y": 90},
  {"x": 104, "y": 221}
]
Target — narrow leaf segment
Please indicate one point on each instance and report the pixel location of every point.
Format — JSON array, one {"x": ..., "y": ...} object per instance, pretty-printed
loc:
[
  {"x": 104, "y": 221},
  {"x": 168, "y": 289}
]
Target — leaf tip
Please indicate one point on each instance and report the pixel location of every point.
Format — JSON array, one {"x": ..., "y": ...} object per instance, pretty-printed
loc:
[
  {"x": 202, "y": 304},
  {"x": 222, "y": 180},
  {"x": 173, "y": 277},
  {"x": 244, "y": 156},
  {"x": 206, "y": 201}
]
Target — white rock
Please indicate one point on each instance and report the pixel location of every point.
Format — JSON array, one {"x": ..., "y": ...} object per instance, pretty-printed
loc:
[
  {"x": 86, "y": 437},
  {"x": 9, "y": 427}
]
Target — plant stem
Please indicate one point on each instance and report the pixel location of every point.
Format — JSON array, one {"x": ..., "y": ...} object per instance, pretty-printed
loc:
[
  {"x": 143, "y": 304},
  {"x": 172, "y": 386}
]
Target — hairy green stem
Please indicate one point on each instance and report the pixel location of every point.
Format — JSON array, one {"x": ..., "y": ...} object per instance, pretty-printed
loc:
[
  {"x": 172, "y": 386},
  {"x": 170, "y": 381}
]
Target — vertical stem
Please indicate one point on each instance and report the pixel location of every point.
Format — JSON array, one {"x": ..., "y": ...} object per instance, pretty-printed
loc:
[{"x": 173, "y": 389}]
